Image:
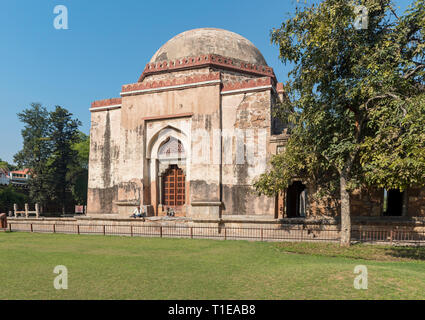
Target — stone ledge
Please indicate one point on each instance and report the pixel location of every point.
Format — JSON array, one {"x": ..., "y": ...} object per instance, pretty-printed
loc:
[
  {"x": 206, "y": 203},
  {"x": 101, "y": 217},
  {"x": 248, "y": 219},
  {"x": 247, "y": 84},
  {"x": 399, "y": 221},
  {"x": 127, "y": 203},
  {"x": 13, "y": 219}
]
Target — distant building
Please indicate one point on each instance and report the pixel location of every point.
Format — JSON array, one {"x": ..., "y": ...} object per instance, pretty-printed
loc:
[
  {"x": 19, "y": 177},
  {"x": 4, "y": 177}
]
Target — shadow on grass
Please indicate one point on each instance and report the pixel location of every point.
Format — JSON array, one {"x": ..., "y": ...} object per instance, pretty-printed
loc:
[
  {"x": 356, "y": 251},
  {"x": 413, "y": 253}
]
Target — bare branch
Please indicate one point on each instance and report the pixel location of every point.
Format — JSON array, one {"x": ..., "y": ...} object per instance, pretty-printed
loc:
[
  {"x": 413, "y": 71},
  {"x": 394, "y": 13},
  {"x": 383, "y": 96}
]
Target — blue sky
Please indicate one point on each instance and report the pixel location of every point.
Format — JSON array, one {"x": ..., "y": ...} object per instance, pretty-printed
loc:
[{"x": 108, "y": 44}]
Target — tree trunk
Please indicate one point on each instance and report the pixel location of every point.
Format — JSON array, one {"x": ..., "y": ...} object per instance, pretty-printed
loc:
[
  {"x": 345, "y": 212},
  {"x": 63, "y": 197}
]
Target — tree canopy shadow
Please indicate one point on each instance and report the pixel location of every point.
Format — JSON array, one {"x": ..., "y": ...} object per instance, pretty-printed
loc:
[{"x": 407, "y": 252}]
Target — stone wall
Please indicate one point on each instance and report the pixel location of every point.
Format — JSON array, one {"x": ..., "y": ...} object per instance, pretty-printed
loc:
[
  {"x": 216, "y": 181},
  {"x": 247, "y": 114},
  {"x": 104, "y": 161},
  {"x": 364, "y": 203},
  {"x": 416, "y": 204},
  {"x": 178, "y": 74},
  {"x": 157, "y": 113},
  {"x": 233, "y": 76}
]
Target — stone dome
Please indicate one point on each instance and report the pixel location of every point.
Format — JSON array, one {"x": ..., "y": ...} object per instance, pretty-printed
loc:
[{"x": 205, "y": 41}]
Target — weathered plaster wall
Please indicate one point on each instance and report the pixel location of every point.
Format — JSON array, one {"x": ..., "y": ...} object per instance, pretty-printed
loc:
[
  {"x": 228, "y": 76},
  {"x": 104, "y": 162},
  {"x": 143, "y": 115},
  {"x": 201, "y": 104},
  {"x": 250, "y": 114}
]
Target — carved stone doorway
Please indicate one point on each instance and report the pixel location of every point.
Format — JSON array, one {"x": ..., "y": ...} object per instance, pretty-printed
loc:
[{"x": 174, "y": 188}]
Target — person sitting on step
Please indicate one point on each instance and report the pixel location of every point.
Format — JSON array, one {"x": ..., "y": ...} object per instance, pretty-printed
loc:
[
  {"x": 137, "y": 213},
  {"x": 170, "y": 212}
]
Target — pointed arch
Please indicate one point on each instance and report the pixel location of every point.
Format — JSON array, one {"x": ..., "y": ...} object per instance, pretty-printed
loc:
[
  {"x": 171, "y": 148},
  {"x": 161, "y": 136}
]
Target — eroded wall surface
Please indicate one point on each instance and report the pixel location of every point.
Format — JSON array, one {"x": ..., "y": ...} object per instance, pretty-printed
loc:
[
  {"x": 161, "y": 111},
  {"x": 226, "y": 137},
  {"x": 246, "y": 117},
  {"x": 104, "y": 162}
]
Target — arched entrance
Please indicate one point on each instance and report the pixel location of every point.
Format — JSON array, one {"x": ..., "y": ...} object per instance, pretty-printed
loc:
[
  {"x": 394, "y": 201},
  {"x": 174, "y": 188},
  {"x": 296, "y": 200},
  {"x": 167, "y": 143},
  {"x": 172, "y": 176}
]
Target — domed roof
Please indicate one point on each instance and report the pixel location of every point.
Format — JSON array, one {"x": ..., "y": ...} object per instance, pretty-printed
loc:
[{"x": 205, "y": 41}]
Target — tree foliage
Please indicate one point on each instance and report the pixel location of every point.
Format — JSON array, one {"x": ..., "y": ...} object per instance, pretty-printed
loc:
[
  {"x": 8, "y": 197},
  {"x": 355, "y": 99},
  {"x": 7, "y": 166},
  {"x": 63, "y": 134},
  {"x": 79, "y": 171},
  {"x": 56, "y": 153},
  {"x": 36, "y": 150}
]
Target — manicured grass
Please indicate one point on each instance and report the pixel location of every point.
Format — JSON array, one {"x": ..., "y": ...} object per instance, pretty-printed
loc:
[{"x": 137, "y": 268}]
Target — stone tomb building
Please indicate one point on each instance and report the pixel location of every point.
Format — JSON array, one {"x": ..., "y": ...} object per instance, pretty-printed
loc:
[
  {"x": 180, "y": 137},
  {"x": 193, "y": 134}
]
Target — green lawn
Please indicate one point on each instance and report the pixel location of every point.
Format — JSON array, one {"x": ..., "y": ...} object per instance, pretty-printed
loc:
[{"x": 137, "y": 268}]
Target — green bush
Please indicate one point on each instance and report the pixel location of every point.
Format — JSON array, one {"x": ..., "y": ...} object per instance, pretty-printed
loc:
[{"x": 9, "y": 196}]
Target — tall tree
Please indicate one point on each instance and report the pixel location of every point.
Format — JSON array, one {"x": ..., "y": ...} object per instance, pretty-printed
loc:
[
  {"x": 79, "y": 171},
  {"x": 63, "y": 133},
  {"x": 36, "y": 150},
  {"x": 355, "y": 100}
]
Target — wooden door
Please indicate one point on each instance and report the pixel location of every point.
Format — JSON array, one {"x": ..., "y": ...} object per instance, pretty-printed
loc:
[{"x": 174, "y": 187}]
